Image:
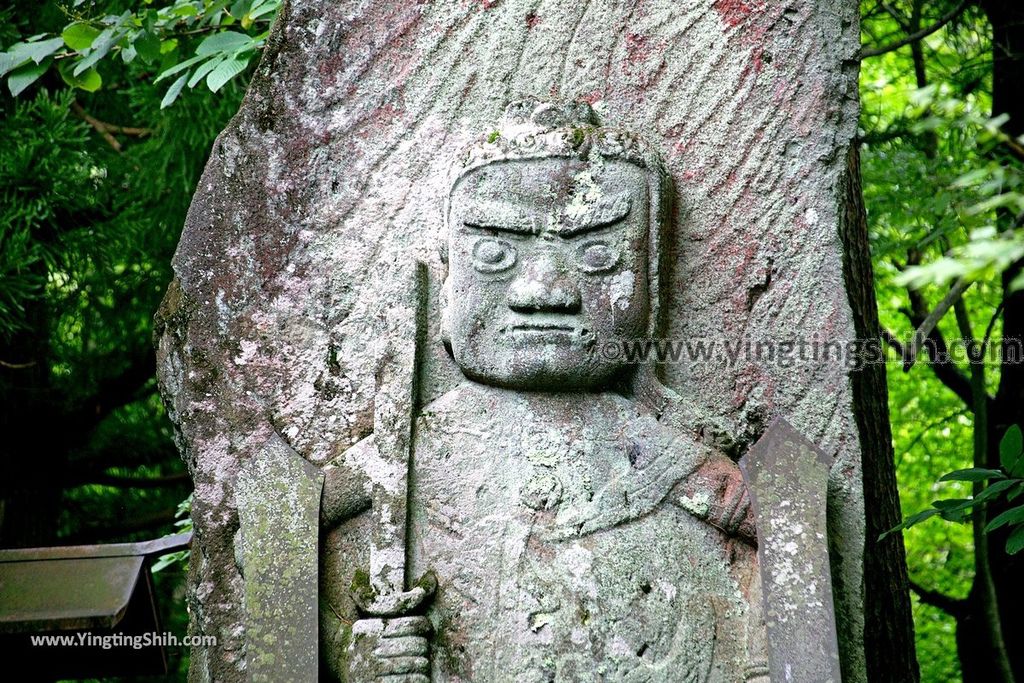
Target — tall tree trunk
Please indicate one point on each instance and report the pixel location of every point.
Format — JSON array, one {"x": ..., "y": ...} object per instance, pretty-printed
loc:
[
  {"x": 1007, "y": 20},
  {"x": 889, "y": 626}
]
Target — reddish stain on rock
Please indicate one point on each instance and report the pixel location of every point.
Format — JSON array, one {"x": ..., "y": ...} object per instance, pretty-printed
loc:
[
  {"x": 733, "y": 12},
  {"x": 637, "y": 48},
  {"x": 532, "y": 20},
  {"x": 595, "y": 96}
]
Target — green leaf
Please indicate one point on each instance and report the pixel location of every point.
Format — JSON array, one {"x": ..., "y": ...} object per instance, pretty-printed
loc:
[
  {"x": 100, "y": 47},
  {"x": 1018, "y": 283},
  {"x": 910, "y": 521},
  {"x": 37, "y": 52},
  {"x": 1011, "y": 516},
  {"x": 9, "y": 61},
  {"x": 21, "y": 53},
  {"x": 1015, "y": 493},
  {"x": 173, "y": 92},
  {"x": 1015, "y": 543},
  {"x": 168, "y": 560},
  {"x": 79, "y": 36},
  {"x": 225, "y": 71},
  {"x": 995, "y": 489},
  {"x": 265, "y": 7},
  {"x": 24, "y": 76},
  {"x": 240, "y": 8},
  {"x": 203, "y": 69},
  {"x": 951, "y": 503},
  {"x": 148, "y": 46},
  {"x": 973, "y": 474},
  {"x": 180, "y": 66},
  {"x": 90, "y": 81},
  {"x": 225, "y": 41},
  {"x": 1011, "y": 451}
]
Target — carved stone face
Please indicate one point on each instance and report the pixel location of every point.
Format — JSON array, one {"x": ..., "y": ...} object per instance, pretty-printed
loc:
[{"x": 548, "y": 265}]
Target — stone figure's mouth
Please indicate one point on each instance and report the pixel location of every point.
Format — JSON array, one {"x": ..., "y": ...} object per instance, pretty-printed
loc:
[
  {"x": 549, "y": 331},
  {"x": 531, "y": 328}
]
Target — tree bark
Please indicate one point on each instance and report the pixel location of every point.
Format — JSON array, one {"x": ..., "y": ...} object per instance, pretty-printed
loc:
[
  {"x": 889, "y": 625},
  {"x": 1007, "y": 407}
]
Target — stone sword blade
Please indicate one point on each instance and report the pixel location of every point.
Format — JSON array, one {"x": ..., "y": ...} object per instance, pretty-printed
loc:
[
  {"x": 787, "y": 477},
  {"x": 402, "y": 329}
]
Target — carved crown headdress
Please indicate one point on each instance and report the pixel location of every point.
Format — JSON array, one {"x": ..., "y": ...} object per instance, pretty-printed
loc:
[{"x": 533, "y": 129}]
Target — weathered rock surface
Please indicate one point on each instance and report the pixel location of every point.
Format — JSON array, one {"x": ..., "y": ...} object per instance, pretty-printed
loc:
[{"x": 333, "y": 175}]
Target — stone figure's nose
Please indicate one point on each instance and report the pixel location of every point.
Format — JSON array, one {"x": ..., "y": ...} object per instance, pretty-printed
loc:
[{"x": 544, "y": 286}]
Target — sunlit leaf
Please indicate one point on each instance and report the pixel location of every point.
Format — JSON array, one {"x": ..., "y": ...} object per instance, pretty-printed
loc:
[{"x": 79, "y": 35}]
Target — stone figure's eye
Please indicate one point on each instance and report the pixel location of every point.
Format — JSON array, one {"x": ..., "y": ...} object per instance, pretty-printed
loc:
[
  {"x": 491, "y": 255},
  {"x": 598, "y": 257}
]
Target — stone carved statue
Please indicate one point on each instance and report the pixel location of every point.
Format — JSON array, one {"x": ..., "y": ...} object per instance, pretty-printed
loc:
[{"x": 564, "y": 532}]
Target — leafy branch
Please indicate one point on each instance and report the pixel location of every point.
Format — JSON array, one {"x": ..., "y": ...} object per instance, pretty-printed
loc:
[
  {"x": 1005, "y": 484},
  {"x": 159, "y": 39}
]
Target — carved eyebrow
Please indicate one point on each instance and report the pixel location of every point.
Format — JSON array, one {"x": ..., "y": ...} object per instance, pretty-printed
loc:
[
  {"x": 501, "y": 216},
  {"x": 603, "y": 212}
]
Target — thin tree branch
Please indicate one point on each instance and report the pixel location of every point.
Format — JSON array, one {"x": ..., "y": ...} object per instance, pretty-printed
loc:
[
  {"x": 954, "y": 607},
  {"x": 97, "y": 125},
  {"x": 108, "y": 129},
  {"x": 988, "y": 330},
  {"x": 899, "y": 18},
  {"x": 17, "y": 366},
  {"x": 926, "y": 327},
  {"x": 112, "y": 127},
  {"x": 917, "y": 35},
  {"x": 943, "y": 368},
  {"x": 890, "y": 133}
]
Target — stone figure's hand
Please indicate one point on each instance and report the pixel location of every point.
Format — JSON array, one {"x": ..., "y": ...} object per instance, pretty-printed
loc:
[
  {"x": 391, "y": 649},
  {"x": 716, "y": 493},
  {"x": 391, "y": 642}
]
